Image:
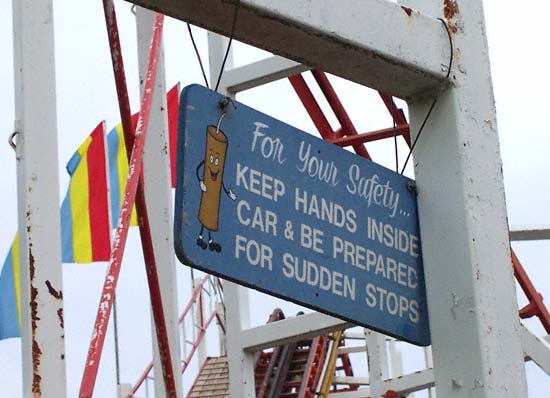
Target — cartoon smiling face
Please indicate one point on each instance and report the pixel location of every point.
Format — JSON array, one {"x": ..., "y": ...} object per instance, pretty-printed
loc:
[{"x": 213, "y": 163}]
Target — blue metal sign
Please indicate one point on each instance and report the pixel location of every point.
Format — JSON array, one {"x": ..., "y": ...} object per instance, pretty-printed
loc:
[{"x": 268, "y": 206}]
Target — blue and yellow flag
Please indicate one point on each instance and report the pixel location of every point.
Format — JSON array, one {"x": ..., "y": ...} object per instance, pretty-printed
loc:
[
  {"x": 10, "y": 305},
  {"x": 118, "y": 172}
]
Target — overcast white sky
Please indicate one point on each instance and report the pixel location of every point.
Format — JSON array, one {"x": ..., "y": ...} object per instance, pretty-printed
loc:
[{"x": 86, "y": 95}]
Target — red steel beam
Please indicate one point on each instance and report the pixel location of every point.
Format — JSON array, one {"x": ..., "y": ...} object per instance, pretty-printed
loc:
[
  {"x": 149, "y": 367},
  {"x": 194, "y": 295},
  {"x": 185, "y": 311},
  {"x": 396, "y": 113},
  {"x": 198, "y": 341},
  {"x": 370, "y": 136},
  {"x": 312, "y": 107},
  {"x": 133, "y": 193},
  {"x": 536, "y": 304},
  {"x": 338, "y": 109}
]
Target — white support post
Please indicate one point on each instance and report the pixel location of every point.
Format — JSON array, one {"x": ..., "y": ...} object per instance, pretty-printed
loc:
[
  {"x": 221, "y": 332},
  {"x": 217, "y": 46},
  {"x": 241, "y": 363},
  {"x": 199, "y": 319},
  {"x": 158, "y": 196},
  {"x": 471, "y": 296},
  {"x": 377, "y": 359},
  {"x": 42, "y": 330},
  {"x": 124, "y": 390},
  {"x": 428, "y": 359},
  {"x": 396, "y": 359}
]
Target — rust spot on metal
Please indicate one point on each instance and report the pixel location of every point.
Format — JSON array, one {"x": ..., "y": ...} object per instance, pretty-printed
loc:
[
  {"x": 407, "y": 10},
  {"x": 31, "y": 262},
  {"x": 57, "y": 294},
  {"x": 36, "y": 378},
  {"x": 450, "y": 9},
  {"x": 61, "y": 318},
  {"x": 34, "y": 307},
  {"x": 36, "y": 351}
]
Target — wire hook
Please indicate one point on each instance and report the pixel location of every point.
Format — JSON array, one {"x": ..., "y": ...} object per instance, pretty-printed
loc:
[
  {"x": 11, "y": 140},
  {"x": 220, "y": 121}
]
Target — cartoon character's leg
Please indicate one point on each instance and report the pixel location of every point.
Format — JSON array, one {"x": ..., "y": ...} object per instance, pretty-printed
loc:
[
  {"x": 200, "y": 241},
  {"x": 213, "y": 246}
]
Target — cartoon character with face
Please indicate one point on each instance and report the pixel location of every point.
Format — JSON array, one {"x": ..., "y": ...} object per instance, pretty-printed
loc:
[{"x": 211, "y": 185}]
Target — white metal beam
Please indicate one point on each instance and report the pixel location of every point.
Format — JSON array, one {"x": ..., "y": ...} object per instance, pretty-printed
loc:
[
  {"x": 241, "y": 363},
  {"x": 351, "y": 349},
  {"x": 42, "y": 329},
  {"x": 158, "y": 196},
  {"x": 290, "y": 330},
  {"x": 465, "y": 245},
  {"x": 403, "y": 385},
  {"x": 351, "y": 380},
  {"x": 259, "y": 73},
  {"x": 535, "y": 349},
  {"x": 377, "y": 359},
  {"x": 530, "y": 233},
  {"x": 348, "y": 38}
]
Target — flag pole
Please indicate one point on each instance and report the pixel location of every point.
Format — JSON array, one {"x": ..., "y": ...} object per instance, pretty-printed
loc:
[
  {"x": 109, "y": 213},
  {"x": 117, "y": 359}
]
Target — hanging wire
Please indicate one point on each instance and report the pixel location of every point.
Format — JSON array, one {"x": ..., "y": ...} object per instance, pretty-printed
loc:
[
  {"x": 197, "y": 54},
  {"x": 435, "y": 99},
  {"x": 395, "y": 138},
  {"x": 235, "y": 15},
  {"x": 220, "y": 121},
  {"x": 395, "y": 147}
]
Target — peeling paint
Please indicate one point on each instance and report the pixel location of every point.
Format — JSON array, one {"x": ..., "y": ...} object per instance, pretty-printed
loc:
[
  {"x": 450, "y": 9},
  {"x": 36, "y": 351},
  {"x": 61, "y": 318},
  {"x": 36, "y": 378},
  {"x": 407, "y": 10},
  {"x": 57, "y": 294}
]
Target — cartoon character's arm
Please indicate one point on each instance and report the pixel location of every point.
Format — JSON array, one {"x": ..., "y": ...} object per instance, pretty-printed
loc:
[
  {"x": 229, "y": 192},
  {"x": 201, "y": 182}
]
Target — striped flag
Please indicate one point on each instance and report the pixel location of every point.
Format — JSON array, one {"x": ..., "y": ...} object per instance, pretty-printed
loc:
[
  {"x": 96, "y": 181},
  {"x": 85, "y": 229}
]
